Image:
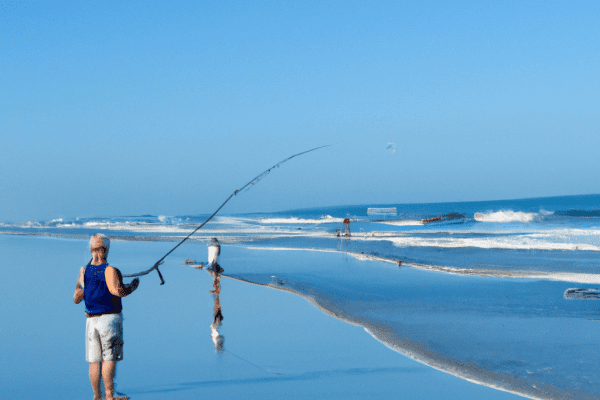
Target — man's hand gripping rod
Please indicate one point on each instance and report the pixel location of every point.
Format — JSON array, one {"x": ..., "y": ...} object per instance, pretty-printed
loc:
[{"x": 246, "y": 186}]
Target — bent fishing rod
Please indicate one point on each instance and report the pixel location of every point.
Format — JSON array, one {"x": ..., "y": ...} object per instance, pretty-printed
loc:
[{"x": 247, "y": 186}]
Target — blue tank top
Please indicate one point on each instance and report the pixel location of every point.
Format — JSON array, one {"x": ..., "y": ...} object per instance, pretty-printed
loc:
[{"x": 98, "y": 299}]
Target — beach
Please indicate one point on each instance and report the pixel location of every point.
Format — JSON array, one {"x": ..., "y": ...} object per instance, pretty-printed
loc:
[
  {"x": 277, "y": 344},
  {"x": 479, "y": 297}
]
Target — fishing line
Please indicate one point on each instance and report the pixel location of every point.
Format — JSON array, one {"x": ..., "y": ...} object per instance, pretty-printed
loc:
[
  {"x": 247, "y": 186},
  {"x": 251, "y": 363}
]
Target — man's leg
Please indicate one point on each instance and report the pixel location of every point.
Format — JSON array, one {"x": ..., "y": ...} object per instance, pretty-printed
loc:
[
  {"x": 108, "y": 374},
  {"x": 95, "y": 379},
  {"x": 111, "y": 336}
]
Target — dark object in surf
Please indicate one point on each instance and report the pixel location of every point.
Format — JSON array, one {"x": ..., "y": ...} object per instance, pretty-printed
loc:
[
  {"x": 582, "y": 294},
  {"x": 275, "y": 281},
  {"x": 193, "y": 263},
  {"x": 445, "y": 217}
]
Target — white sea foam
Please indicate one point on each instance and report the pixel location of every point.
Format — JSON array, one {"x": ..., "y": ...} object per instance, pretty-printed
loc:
[
  {"x": 588, "y": 279},
  {"x": 28, "y": 224},
  {"x": 134, "y": 226},
  {"x": 326, "y": 219},
  {"x": 221, "y": 225},
  {"x": 235, "y": 221},
  {"x": 506, "y": 216},
  {"x": 407, "y": 222},
  {"x": 580, "y": 238},
  {"x": 518, "y": 242},
  {"x": 169, "y": 228}
]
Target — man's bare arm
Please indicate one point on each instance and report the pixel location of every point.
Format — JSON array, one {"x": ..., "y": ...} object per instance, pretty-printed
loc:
[
  {"x": 114, "y": 281},
  {"x": 78, "y": 295}
]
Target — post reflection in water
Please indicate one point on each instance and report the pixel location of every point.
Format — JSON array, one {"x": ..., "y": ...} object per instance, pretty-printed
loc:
[{"x": 219, "y": 340}]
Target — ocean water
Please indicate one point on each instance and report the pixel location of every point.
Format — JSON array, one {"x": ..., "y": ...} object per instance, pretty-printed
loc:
[{"x": 475, "y": 289}]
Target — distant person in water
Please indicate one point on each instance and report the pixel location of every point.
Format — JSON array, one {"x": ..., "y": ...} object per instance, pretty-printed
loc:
[{"x": 101, "y": 286}]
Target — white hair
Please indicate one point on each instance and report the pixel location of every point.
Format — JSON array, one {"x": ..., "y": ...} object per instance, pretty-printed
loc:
[{"x": 105, "y": 242}]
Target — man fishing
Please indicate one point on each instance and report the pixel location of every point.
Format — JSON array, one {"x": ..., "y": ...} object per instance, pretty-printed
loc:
[{"x": 101, "y": 286}]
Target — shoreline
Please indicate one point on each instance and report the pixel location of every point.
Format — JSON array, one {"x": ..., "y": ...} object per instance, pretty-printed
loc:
[{"x": 417, "y": 352}]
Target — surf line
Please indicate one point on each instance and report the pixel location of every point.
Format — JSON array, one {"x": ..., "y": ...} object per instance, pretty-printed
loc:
[{"x": 247, "y": 186}]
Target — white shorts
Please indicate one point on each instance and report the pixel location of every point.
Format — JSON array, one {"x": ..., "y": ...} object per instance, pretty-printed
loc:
[{"x": 104, "y": 338}]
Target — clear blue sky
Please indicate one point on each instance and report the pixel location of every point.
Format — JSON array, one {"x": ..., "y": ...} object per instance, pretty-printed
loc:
[{"x": 121, "y": 108}]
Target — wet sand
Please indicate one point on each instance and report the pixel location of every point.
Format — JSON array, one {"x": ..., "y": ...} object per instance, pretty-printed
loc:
[{"x": 276, "y": 344}]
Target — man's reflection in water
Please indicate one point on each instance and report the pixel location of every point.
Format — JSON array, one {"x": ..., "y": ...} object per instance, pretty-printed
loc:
[{"x": 219, "y": 340}]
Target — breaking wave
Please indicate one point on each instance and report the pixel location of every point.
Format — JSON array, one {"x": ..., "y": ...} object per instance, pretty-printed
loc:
[
  {"x": 563, "y": 239},
  {"x": 507, "y": 216},
  {"x": 326, "y": 219}
]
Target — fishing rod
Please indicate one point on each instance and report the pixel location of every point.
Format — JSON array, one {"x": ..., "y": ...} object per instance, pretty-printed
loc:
[{"x": 247, "y": 186}]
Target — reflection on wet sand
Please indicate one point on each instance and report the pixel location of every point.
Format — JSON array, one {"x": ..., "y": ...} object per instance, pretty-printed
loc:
[{"x": 219, "y": 340}]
